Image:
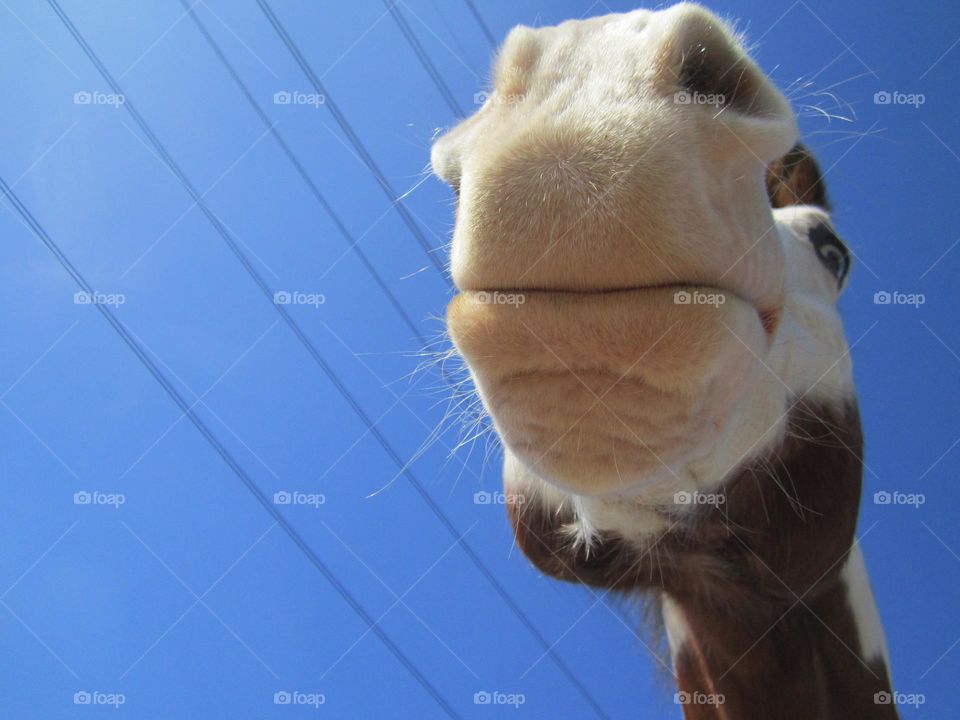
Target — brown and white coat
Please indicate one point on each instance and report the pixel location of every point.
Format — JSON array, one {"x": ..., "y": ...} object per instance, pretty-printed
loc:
[{"x": 675, "y": 394}]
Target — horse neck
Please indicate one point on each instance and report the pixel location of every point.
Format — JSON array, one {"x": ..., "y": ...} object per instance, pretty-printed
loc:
[
  {"x": 806, "y": 660},
  {"x": 768, "y": 607}
]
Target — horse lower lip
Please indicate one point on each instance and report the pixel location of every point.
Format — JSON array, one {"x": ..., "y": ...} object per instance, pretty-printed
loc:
[{"x": 641, "y": 378}]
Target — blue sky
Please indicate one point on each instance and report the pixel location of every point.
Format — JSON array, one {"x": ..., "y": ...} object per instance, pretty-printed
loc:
[{"x": 188, "y": 599}]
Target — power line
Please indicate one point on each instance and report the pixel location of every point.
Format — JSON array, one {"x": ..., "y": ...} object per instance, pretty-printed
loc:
[
  {"x": 471, "y": 554},
  {"x": 354, "y": 139},
  {"x": 301, "y": 335},
  {"x": 424, "y": 59},
  {"x": 279, "y": 308},
  {"x": 304, "y": 175},
  {"x": 482, "y": 23},
  {"x": 250, "y": 484}
]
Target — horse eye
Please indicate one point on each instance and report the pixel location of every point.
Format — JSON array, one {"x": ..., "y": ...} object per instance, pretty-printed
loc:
[{"x": 831, "y": 251}]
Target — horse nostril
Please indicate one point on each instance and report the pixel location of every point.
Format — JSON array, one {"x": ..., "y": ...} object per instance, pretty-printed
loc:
[{"x": 714, "y": 69}]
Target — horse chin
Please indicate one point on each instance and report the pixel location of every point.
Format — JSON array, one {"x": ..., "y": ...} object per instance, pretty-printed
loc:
[{"x": 602, "y": 394}]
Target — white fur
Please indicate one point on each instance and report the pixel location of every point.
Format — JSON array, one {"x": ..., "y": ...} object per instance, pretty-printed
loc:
[
  {"x": 676, "y": 626},
  {"x": 873, "y": 643}
]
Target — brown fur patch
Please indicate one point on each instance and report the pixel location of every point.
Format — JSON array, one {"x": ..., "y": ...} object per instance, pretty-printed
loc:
[
  {"x": 795, "y": 179},
  {"x": 790, "y": 515},
  {"x": 738, "y": 569}
]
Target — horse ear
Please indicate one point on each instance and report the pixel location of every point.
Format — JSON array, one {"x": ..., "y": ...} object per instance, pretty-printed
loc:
[{"x": 795, "y": 179}]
